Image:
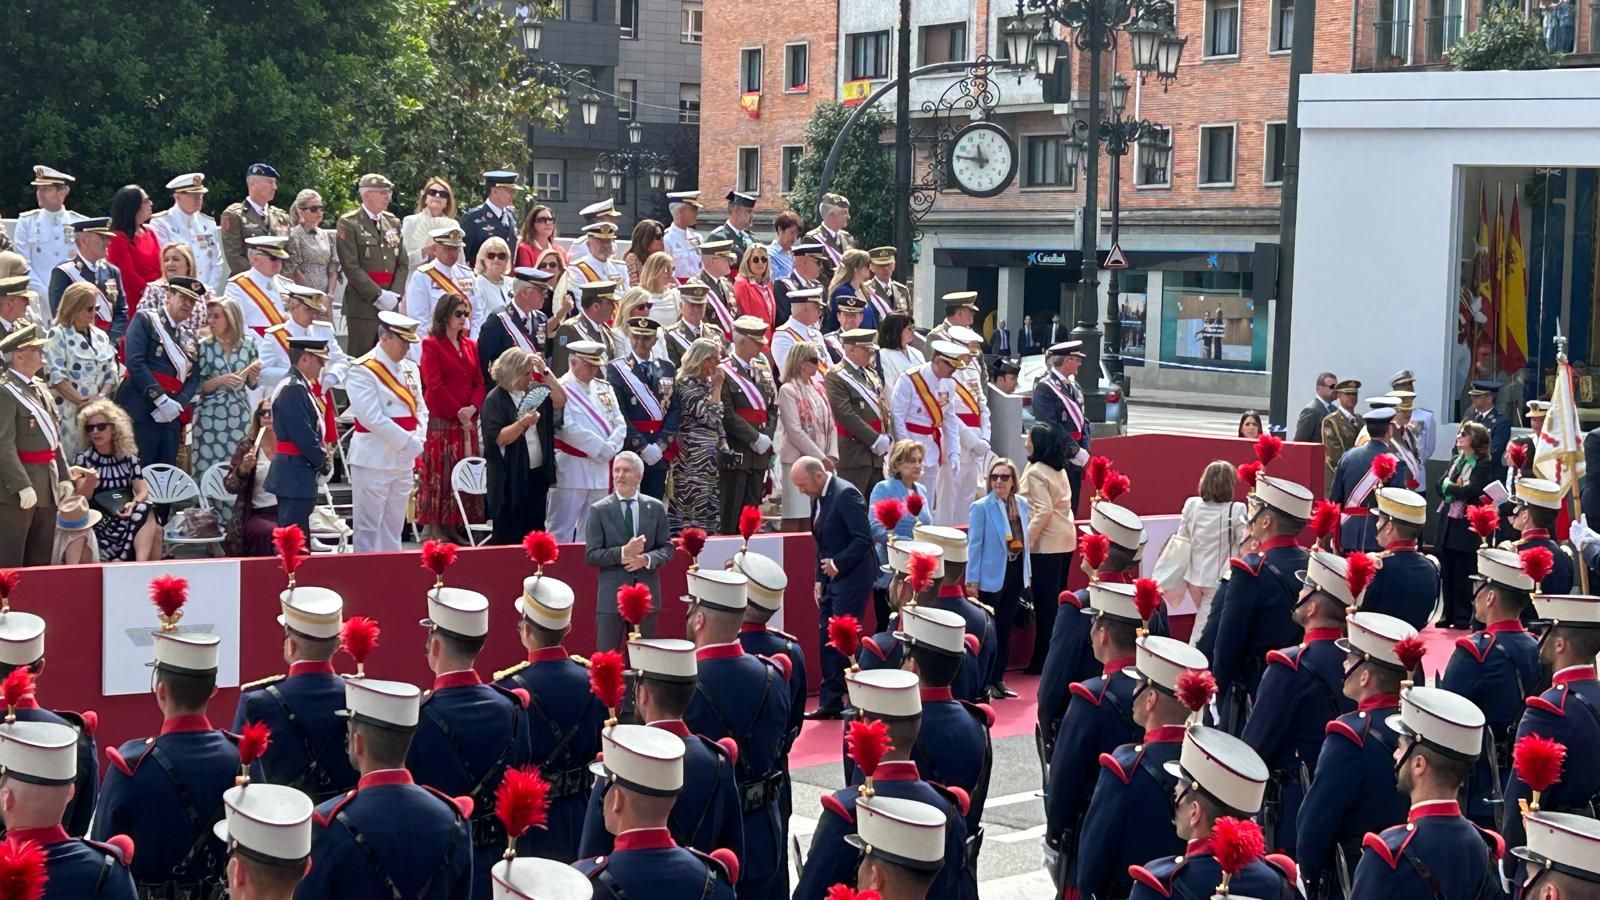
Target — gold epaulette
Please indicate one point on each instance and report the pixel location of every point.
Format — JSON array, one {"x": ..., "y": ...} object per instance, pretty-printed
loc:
[
  {"x": 506, "y": 673},
  {"x": 580, "y": 660},
  {"x": 262, "y": 682},
  {"x": 981, "y": 605}
]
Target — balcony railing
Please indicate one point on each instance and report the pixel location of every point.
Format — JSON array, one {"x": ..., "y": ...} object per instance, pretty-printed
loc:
[
  {"x": 1392, "y": 43},
  {"x": 1441, "y": 33}
]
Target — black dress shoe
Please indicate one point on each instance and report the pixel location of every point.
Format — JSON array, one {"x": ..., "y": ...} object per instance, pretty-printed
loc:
[
  {"x": 1001, "y": 692},
  {"x": 823, "y": 715}
]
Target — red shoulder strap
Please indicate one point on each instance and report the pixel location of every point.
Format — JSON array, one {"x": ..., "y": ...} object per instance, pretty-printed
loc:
[
  {"x": 1497, "y": 844},
  {"x": 1340, "y": 728},
  {"x": 1079, "y": 690},
  {"x": 730, "y": 747},
  {"x": 326, "y": 820},
  {"x": 1543, "y": 705},
  {"x": 1283, "y": 659},
  {"x": 1148, "y": 879},
  {"x": 1378, "y": 845},
  {"x": 836, "y": 806},
  {"x": 1110, "y": 764},
  {"x": 1471, "y": 646}
]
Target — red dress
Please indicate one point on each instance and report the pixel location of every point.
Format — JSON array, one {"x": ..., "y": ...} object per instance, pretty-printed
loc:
[
  {"x": 527, "y": 255},
  {"x": 451, "y": 379},
  {"x": 755, "y": 300},
  {"x": 140, "y": 262}
]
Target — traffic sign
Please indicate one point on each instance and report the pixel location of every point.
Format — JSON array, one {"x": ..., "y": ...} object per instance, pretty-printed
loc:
[{"x": 1115, "y": 259}]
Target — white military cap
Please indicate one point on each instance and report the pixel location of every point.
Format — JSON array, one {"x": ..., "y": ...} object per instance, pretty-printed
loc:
[
  {"x": 952, "y": 540},
  {"x": 1569, "y": 610},
  {"x": 767, "y": 580},
  {"x": 588, "y": 351},
  {"x": 1160, "y": 660},
  {"x": 1399, "y": 503},
  {"x": 268, "y": 822},
  {"x": 1326, "y": 572},
  {"x": 900, "y": 553},
  {"x": 1565, "y": 842},
  {"x": 186, "y": 652},
  {"x": 39, "y": 752},
  {"x": 1539, "y": 492},
  {"x": 190, "y": 183},
  {"x": 885, "y": 693},
  {"x": 642, "y": 758},
  {"x": 664, "y": 659},
  {"x": 532, "y": 878},
  {"x": 458, "y": 612},
  {"x": 1440, "y": 720},
  {"x": 1119, "y": 523},
  {"x": 1372, "y": 636},
  {"x": 392, "y": 704},
  {"x": 961, "y": 334},
  {"x": 1114, "y": 600},
  {"x": 719, "y": 589},
  {"x": 270, "y": 244},
  {"x": 805, "y": 295},
  {"x": 1504, "y": 568},
  {"x": 1284, "y": 495},
  {"x": 21, "y": 638},
  {"x": 1387, "y": 401},
  {"x": 1223, "y": 768},
  {"x": 605, "y": 207},
  {"x": 448, "y": 236},
  {"x": 936, "y": 629},
  {"x": 314, "y": 612},
  {"x": 546, "y": 602},
  {"x": 908, "y": 833},
  {"x": 950, "y": 351},
  {"x": 690, "y": 197},
  {"x": 401, "y": 326},
  {"x": 44, "y": 176}
]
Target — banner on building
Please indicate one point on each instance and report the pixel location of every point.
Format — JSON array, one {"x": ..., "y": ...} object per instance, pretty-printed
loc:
[
  {"x": 856, "y": 92},
  {"x": 751, "y": 104}
]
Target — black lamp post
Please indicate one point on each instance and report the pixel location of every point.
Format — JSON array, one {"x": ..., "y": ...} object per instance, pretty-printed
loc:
[{"x": 612, "y": 166}]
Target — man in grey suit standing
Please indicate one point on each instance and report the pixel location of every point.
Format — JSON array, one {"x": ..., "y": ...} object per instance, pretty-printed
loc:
[
  {"x": 1308, "y": 427},
  {"x": 628, "y": 542}
]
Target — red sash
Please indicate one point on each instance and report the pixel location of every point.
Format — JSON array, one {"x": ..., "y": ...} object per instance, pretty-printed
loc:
[
  {"x": 173, "y": 386},
  {"x": 37, "y": 457},
  {"x": 877, "y": 425},
  {"x": 381, "y": 279}
]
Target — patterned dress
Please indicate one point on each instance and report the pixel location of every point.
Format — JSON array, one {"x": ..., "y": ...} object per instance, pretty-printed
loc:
[
  {"x": 693, "y": 491},
  {"x": 115, "y": 533},
  {"x": 221, "y": 416},
  {"x": 89, "y": 362}
]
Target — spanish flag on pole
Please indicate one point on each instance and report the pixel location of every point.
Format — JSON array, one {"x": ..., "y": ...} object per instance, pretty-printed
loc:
[{"x": 1514, "y": 296}]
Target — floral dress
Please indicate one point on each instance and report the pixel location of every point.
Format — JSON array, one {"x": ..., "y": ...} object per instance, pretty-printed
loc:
[
  {"x": 222, "y": 416},
  {"x": 115, "y": 533},
  {"x": 89, "y": 362}
]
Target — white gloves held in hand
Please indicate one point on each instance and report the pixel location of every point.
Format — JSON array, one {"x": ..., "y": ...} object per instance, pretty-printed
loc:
[
  {"x": 762, "y": 444},
  {"x": 28, "y": 498},
  {"x": 651, "y": 454},
  {"x": 387, "y": 300},
  {"x": 1081, "y": 458},
  {"x": 881, "y": 445},
  {"x": 167, "y": 409}
]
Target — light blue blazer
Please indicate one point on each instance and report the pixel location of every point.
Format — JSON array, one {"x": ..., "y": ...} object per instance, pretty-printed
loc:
[{"x": 986, "y": 543}]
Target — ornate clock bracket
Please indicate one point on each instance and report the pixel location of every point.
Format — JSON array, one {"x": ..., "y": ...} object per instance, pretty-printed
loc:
[{"x": 973, "y": 96}]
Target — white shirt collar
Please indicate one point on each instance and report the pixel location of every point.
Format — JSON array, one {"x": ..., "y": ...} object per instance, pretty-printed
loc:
[
  {"x": 260, "y": 210},
  {"x": 632, "y": 499},
  {"x": 497, "y": 210}
]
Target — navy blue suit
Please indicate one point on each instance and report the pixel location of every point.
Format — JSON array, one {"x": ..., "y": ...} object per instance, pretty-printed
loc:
[
  {"x": 389, "y": 837},
  {"x": 100, "y": 275},
  {"x": 1131, "y": 803},
  {"x": 706, "y": 814},
  {"x": 1458, "y": 857},
  {"x": 481, "y": 223},
  {"x": 494, "y": 339},
  {"x": 833, "y": 861},
  {"x": 297, "y": 420},
  {"x": 645, "y": 427},
  {"x": 1099, "y": 719},
  {"x": 953, "y": 748},
  {"x": 78, "y": 869},
  {"x": 307, "y": 750},
  {"x": 843, "y": 535},
  {"x": 647, "y": 864},
  {"x": 1301, "y": 691},
  {"x": 1568, "y": 712},
  {"x": 81, "y": 806},
  {"x": 1499, "y": 432},
  {"x": 1360, "y": 532},
  {"x": 1252, "y": 613},
  {"x": 1072, "y": 425},
  {"x": 1197, "y": 874},
  {"x": 746, "y": 698},
  {"x": 1354, "y": 791},
  {"x": 166, "y": 794},
  {"x": 564, "y": 722},
  {"x": 1406, "y": 587},
  {"x": 1497, "y": 669},
  {"x": 151, "y": 376}
]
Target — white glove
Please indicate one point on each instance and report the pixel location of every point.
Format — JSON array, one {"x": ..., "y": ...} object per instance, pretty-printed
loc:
[
  {"x": 330, "y": 379},
  {"x": 1081, "y": 458},
  {"x": 413, "y": 448},
  {"x": 651, "y": 454},
  {"x": 1580, "y": 534},
  {"x": 64, "y": 490},
  {"x": 762, "y": 444},
  {"x": 881, "y": 445},
  {"x": 166, "y": 410},
  {"x": 28, "y": 498},
  {"x": 387, "y": 300},
  {"x": 1052, "y": 856},
  {"x": 984, "y": 449}
]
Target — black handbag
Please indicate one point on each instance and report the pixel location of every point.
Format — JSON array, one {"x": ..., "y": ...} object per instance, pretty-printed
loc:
[{"x": 111, "y": 500}]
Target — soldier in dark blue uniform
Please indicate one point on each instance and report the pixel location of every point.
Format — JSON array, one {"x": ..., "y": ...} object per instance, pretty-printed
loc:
[
  {"x": 644, "y": 768},
  {"x": 1218, "y": 775},
  {"x": 470, "y": 732},
  {"x": 307, "y": 751},
  {"x": 1099, "y": 719},
  {"x": 38, "y": 765},
  {"x": 165, "y": 792},
  {"x": 882, "y": 650},
  {"x": 1563, "y": 853},
  {"x": 956, "y": 751},
  {"x": 745, "y": 698},
  {"x": 298, "y": 427},
  {"x": 496, "y": 216},
  {"x": 1354, "y": 789},
  {"x": 102, "y": 273},
  {"x": 707, "y": 815},
  {"x": 1058, "y": 401},
  {"x": 1437, "y": 852},
  {"x": 564, "y": 717},
  {"x": 901, "y": 843},
  {"x": 1568, "y": 712},
  {"x": 1482, "y": 394},
  {"x": 1497, "y": 668},
  {"x": 1300, "y": 693},
  {"x": 267, "y": 828},
  {"x": 163, "y": 360},
  {"x": 22, "y": 645},
  {"x": 767, "y": 582},
  {"x": 390, "y": 837},
  {"x": 1406, "y": 585},
  {"x": 1534, "y": 511},
  {"x": 893, "y": 697},
  {"x": 1355, "y": 485},
  {"x": 1132, "y": 799},
  {"x": 952, "y": 595},
  {"x": 644, "y": 391}
]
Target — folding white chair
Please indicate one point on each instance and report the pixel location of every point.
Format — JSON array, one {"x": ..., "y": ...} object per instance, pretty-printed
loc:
[
  {"x": 213, "y": 491},
  {"x": 168, "y": 486},
  {"x": 329, "y": 540},
  {"x": 470, "y": 476}
]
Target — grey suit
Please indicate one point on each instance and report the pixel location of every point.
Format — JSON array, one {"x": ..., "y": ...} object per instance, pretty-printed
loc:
[
  {"x": 1308, "y": 427},
  {"x": 603, "y": 549}
]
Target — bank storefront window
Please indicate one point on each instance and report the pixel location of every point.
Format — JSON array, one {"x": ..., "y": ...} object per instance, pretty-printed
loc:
[{"x": 1209, "y": 320}]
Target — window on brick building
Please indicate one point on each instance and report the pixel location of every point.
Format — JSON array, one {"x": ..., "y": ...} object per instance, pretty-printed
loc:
[
  {"x": 1282, "y": 25},
  {"x": 796, "y": 66},
  {"x": 1046, "y": 162},
  {"x": 869, "y": 55},
  {"x": 692, "y": 27},
  {"x": 1216, "y": 155},
  {"x": 1146, "y": 172},
  {"x": 689, "y": 104},
  {"x": 1277, "y": 139},
  {"x": 790, "y": 166},
  {"x": 749, "y": 170},
  {"x": 628, "y": 18},
  {"x": 1222, "y": 28},
  {"x": 942, "y": 43},
  {"x": 750, "y": 70},
  {"x": 550, "y": 180},
  {"x": 627, "y": 90}
]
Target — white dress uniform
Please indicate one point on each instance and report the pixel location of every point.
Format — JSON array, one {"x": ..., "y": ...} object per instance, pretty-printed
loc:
[
  {"x": 590, "y": 270},
  {"x": 45, "y": 240},
  {"x": 391, "y": 420},
  {"x": 975, "y": 440},
  {"x": 201, "y": 233},
  {"x": 684, "y": 245},
  {"x": 273, "y": 349},
  {"x": 591, "y": 433},
  {"x": 937, "y": 429},
  {"x": 423, "y": 290},
  {"x": 788, "y": 334},
  {"x": 260, "y": 298}
]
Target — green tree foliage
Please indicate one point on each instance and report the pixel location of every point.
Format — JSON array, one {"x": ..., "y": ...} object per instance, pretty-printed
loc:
[
  {"x": 1506, "y": 38},
  {"x": 864, "y": 173}
]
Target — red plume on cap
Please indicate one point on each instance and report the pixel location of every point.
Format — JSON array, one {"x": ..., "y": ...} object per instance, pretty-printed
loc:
[
  {"x": 1268, "y": 448},
  {"x": 605, "y": 679},
  {"x": 889, "y": 511},
  {"x": 1358, "y": 573},
  {"x": 290, "y": 543},
  {"x": 522, "y": 801},
  {"x": 1097, "y": 470},
  {"x": 541, "y": 548},
  {"x": 436, "y": 557},
  {"x": 254, "y": 739},
  {"x": 1383, "y": 466},
  {"x": 169, "y": 593},
  {"x": 16, "y": 689},
  {"x": 1517, "y": 453},
  {"x": 1116, "y": 485},
  {"x": 921, "y": 572},
  {"x": 9, "y": 579},
  {"x": 1196, "y": 688},
  {"x": 1235, "y": 843},
  {"x": 1483, "y": 519},
  {"x": 1324, "y": 519},
  {"x": 1537, "y": 761},
  {"x": 749, "y": 522},
  {"x": 633, "y": 604},
  {"x": 358, "y": 637},
  {"x": 867, "y": 742},
  {"x": 1146, "y": 598},
  {"x": 1248, "y": 473},
  {"x": 914, "y": 504},
  {"x": 844, "y": 635},
  {"x": 1095, "y": 547},
  {"x": 691, "y": 541},
  {"x": 1537, "y": 563},
  {"x": 22, "y": 870},
  {"x": 1410, "y": 652},
  {"x": 846, "y": 892}
]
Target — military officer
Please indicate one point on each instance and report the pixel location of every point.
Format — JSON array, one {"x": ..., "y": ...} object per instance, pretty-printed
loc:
[
  {"x": 374, "y": 261},
  {"x": 643, "y": 386},
  {"x": 644, "y": 769},
  {"x": 599, "y": 211},
  {"x": 254, "y": 216},
  {"x": 564, "y": 717},
  {"x": 304, "y": 308},
  {"x": 470, "y": 733},
  {"x": 744, "y": 698},
  {"x": 749, "y": 397},
  {"x": 1561, "y": 850},
  {"x": 741, "y": 210},
  {"x": 767, "y": 582},
  {"x": 681, "y": 240},
  {"x": 1482, "y": 394},
  {"x": 259, "y": 288},
  {"x": 706, "y": 815},
  {"x": 886, "y": 295},
  {"x": 15, "y": 312},
  {"x": 297, "y": 424},
  {"x": 390, "y": 836},
  {"x": 1534, "y": 510},
  {"x": 1406, "y": 586},
  {"x": 162, "y": 356},
  {"x": 691, "y": 324},
  {"x": 955, "y": 750},
  {"x": 165, "y": 792},
  {"x": 385, "y": 390},
  {"x": 859, "y": 410},
  {"x": 808, "y": 257},
  {"x": 850, "y": 312},
  {"x": 1058, "y": 402},
  {"x": 596, "y": 307},
  {"x": 1422, "y": 420},
  {"x": 307, "y": 751},
  {"x": 22, "y": 646},
  {"x": 716, "y": 259},
  {"x": 1339, "y": 429},
  {"x": 446, "y": 273},
  {"x": 834, "y": 210},
  {"x": 885, "y": 651},
  {"x": 267, "y": 828},
  {"x": 88, "y": 264},
  {"x": 185, "y": 222},
  {"x": 496, "y": 216},
  {"x": 44, "y": 235},
  {"x": 972, "y": 407},
  {"x": 1355, "y": 483},
  {"x": 592, "y": 431},
  {"x": 33, "y": 471},
  {"x": 595, "y": 259},
  {"x": 40, "y": 764},
  {"x": 802, "y": 326},
  {"x": 522, "y": 323},
  {"x": 902, "y": 846},
  {"x": 1437, "y": 852},
  {"x": 922, "y": 404},
  {"x": 960, "y": 310}
]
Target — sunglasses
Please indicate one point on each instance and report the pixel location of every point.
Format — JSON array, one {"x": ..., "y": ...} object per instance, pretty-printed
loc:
[
  {"x": 758, "y": 259},
  {"x": 494, "y": 256},
  {"x": 460, "y": 314},
  {"x": 98, "y": 426},
  {"x": 263, "y": 413},
  {"x": 437, "y": 192},
  {"x": 544, "y": 220},
  {"x": 1000, "y": 476},
  {"x": 315, "y": 209}
]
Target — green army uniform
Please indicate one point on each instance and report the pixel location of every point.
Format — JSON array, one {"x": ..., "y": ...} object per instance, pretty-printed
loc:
[
  {"x": 373, "y": 258},
  {"x": 742, "y": 479},
  {"x": 240, "y": 222}
]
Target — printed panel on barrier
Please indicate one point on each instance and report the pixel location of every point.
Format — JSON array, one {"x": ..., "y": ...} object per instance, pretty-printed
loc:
[{"x": 129, "y": 619}]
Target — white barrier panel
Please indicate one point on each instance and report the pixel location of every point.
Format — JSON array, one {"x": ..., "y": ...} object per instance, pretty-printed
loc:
[
  {"x": 719, "y": 550},
  {"x": 128, "y": 620}
]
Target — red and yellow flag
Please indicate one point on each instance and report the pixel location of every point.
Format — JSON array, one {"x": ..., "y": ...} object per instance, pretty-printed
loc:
[{"x": 1514, "y": 297}]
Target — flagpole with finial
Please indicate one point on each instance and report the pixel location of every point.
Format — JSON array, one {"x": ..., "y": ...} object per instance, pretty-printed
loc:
[{"x": 1569, "y": 459}]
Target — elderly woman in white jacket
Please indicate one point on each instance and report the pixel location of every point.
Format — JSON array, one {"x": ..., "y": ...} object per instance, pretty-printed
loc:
[{"x": 1212, "y": 526}]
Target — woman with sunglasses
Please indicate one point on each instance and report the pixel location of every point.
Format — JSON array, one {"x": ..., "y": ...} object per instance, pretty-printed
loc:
[
  {"x": 999, "y": 565},
  {"x": 255, "y": 509},
  {"x": 436, "y": 208},
  {"x": 562, "y": 296},
  {"x": 80, "y": 359},
  {"x": 645, "y": 242},
  {"x": 752, "y": 289},
  {"x": 538, "y": 235},
  {"x": 658, "y": 288},
  {"x": 127, "y": 531},
  {"x": 313, "y": 257},
  {"x": 454, "y": 394},
  {"x": 805, "y": 424},
  {"x": 493, "y": 287}
]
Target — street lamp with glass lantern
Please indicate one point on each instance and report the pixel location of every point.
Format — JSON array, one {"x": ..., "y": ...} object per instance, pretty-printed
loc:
[
  {"x": 532, "y": 33},
  {"x": 635, "y": 132}
]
